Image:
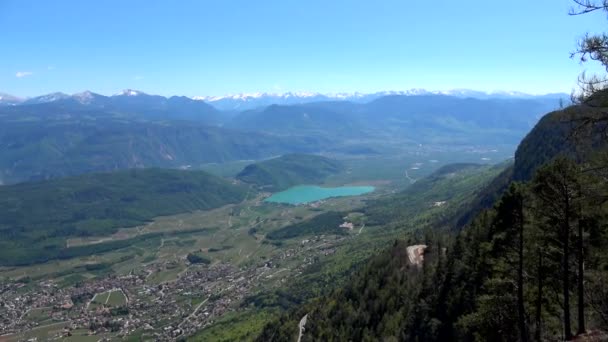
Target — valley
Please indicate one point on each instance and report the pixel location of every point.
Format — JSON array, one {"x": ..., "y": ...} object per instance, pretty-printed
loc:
[
  {"x": 247, "y": 250},
  {"x": 280, "y": 171},
  {"x": 248, "y": 216},
  {"x": 240, "y": 263}
]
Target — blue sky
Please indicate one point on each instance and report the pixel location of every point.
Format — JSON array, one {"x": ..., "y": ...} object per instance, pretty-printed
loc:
[{"x": 228, "y": 46}]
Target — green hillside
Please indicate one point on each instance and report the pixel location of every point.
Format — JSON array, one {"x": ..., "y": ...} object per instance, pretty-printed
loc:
[
  {"x": 426, "y": 118},
  {"x": 574, "y": 132},
  {"x": 289, "y": 170},
  {"x": 531, "y": 267},
  {"x": 62, "y": 139},
  {"x": 402, "y": 214},
  {"x": 36, "y": 218}
]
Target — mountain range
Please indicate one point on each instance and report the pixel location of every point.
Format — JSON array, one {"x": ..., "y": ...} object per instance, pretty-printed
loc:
[
  {"x": 415, "y": 119},
  {"x": 57, "y": 135},
  {"x": 89, "y": 133},
  {"x": 256, "y": 100},
  {"x": 246, "y": 101}
]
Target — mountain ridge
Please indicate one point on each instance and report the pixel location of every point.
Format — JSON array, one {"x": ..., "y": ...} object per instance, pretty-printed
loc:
[
  {"x": 38, "y": 217},
  {"x": 289, "y": 170},
  {"x": 244, "y": 101}
]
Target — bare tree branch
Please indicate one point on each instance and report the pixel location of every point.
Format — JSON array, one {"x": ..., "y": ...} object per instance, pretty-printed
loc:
[{"x": 587, "y": 6}]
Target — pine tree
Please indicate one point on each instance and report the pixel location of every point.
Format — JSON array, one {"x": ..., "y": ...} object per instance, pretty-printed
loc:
[
  {"x": 557, "y": 191},
  {"x": 510, "y": 218}
]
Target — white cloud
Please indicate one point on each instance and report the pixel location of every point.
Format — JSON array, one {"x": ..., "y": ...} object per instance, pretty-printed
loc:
[
  {"x": 137, "y": 78},
  {"x": 50, "y": 67},
  {"x": 21, "y": 74}
]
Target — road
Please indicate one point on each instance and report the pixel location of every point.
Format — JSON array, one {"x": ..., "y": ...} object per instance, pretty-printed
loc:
[{"x": 193, "y": 312}]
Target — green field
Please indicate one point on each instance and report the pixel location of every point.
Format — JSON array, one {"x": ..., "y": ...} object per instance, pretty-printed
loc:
[
  {"x": 54, "y": 331},
  {"x": 113, "y": 298},
  {"x": 117, "y": 298},
  {"x": 41, "y": 316}
]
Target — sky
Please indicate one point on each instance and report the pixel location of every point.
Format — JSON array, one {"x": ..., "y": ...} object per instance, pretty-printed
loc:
[{"x": 217, "y": 47}]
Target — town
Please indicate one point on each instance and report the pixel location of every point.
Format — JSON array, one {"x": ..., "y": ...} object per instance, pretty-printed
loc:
[{"x": 129, "y": 303}]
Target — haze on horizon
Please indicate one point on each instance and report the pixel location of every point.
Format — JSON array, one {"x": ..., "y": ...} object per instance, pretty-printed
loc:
[{"x": 212, "y": 49}]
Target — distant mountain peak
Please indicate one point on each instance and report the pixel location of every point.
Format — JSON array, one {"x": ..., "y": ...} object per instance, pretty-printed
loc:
[
  {"x": 85, "y": 97},
  {"x": 130, "y": 92},
  {"x": 258, "y": 95},
  {"x": 339, "y": 95},
  {"x": 9, "y": 99},
  {"x": 52, "y": 97},
  {"x": 246, "y": 101}
]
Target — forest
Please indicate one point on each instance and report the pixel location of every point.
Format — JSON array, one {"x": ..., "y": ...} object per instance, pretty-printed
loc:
[
  {"x": 531, "y": 267},
  {"x": 43, "y": 215}
]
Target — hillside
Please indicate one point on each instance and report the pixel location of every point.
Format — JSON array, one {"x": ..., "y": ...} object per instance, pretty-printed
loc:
[
  {"x": 258, "y": 100},
  {"x": 315, "y": 119},
  {"x": 130, "y": 103},
  {"x": 509, "y": 274},
  {"x": 424, "y": 118},
  {"x": 377, "y": 225},
  {"x": 289, "y": 170},
  {"x": 576, "y": 131},
  {"x": 37, "y": 218},
  {"x": 450, "y": 188},
  {"x": 60, "y": 135},
  {"x": 60, "y": 139}
]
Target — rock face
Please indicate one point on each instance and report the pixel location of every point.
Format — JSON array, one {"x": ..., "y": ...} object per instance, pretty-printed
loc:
[{"x": 415, "y": 254}]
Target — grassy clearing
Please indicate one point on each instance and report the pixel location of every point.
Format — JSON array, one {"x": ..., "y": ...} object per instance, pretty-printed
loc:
[
  {"x": 113, "y": 298},
  {"x": 236, "y": 326},
  {"x": 117, "y": 298},
  {"x": 98, "y": 301},
  {"x": 227, "y": 169},
  {"x": 166, "y": 275},
  {"x": 82, "y": 338},
  {"x": 40, "y": 315},
  {"x": 41, "y": 333}
]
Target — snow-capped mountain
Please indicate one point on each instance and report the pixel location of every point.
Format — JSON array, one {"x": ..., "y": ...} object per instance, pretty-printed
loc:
[
  {"x": 130, "y": 92},
  {"x": 246, "y": 101},
  {"x": 52, "y": 97},
  {"x": 85, "y": 97},
  {"x": 9, "y": 100},
  {"x": 256, "y": 100},
  {"x": 90, "y": 98}
]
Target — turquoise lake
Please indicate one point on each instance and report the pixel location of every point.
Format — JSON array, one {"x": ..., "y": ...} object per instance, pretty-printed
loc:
[{"x": 310, "y": 193}]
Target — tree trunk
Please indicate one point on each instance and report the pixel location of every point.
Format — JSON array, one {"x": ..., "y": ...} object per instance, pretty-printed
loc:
[
  {"x": 580, "y": 278},
  {"x": 520, "y": 277},
  {"x": 539, "y": 297},
  {"x": 566, "y": 280}
]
